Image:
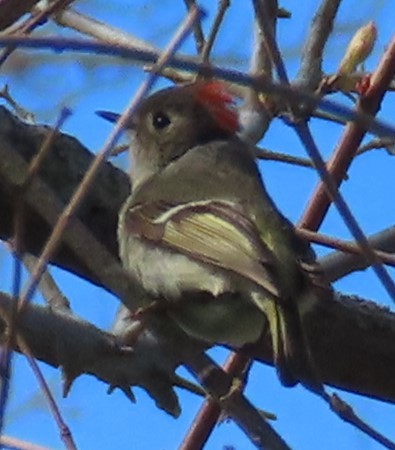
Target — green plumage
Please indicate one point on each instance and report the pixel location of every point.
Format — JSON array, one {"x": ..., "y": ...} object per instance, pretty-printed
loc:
[{"x": 201, "y": 232}]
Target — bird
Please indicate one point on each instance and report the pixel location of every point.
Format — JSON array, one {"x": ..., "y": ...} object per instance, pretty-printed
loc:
[{"x": 202, "y": 236}]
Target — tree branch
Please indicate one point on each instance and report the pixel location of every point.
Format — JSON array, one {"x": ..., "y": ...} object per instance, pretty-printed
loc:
[
  {"x": 77, "y": 347},
  {"x": 310, "y": 72},
  {"x": 339, "y": 264}
]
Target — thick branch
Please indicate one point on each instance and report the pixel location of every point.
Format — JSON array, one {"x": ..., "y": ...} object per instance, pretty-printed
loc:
[
  {"x": 353, "y": 341},
  {"x": 60, "y": 174},
  {"x": 78, "y": 347},
  {"x": 352, "y": 345},
  {"x": 63, "y": 340}
]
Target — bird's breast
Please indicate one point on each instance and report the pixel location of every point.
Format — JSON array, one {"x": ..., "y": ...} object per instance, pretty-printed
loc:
[
  {"x": 224, "y": 316},
  {"x": 164, "y": 273}
]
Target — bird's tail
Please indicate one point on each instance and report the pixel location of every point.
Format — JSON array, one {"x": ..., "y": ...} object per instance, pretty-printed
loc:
[{"x": 291, "y": 352}]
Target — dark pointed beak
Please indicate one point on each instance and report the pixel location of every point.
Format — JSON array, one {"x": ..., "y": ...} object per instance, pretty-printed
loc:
[{"x": 108, "y": 115}]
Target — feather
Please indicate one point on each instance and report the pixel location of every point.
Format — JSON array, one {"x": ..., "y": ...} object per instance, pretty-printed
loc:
[
  {"x": 219, "y": 103},
  {"x": 214, "y": 232}
]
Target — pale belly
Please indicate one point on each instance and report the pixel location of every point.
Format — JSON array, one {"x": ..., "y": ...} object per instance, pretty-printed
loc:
[{"x": 204, "y": 301}]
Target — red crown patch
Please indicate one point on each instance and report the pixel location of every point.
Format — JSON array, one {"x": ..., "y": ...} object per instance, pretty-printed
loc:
[{"x": 219, "y": 103}]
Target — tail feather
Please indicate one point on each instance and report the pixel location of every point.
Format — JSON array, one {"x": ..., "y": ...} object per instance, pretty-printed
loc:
[
  {"x": 284, "y": 355},
  {"x": 291, "y": 352}
]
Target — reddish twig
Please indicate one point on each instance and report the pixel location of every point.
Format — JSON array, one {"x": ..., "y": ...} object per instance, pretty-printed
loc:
[
  {"x": 303, "y": 131},
  {"x": 236, "y": 364},
  {"x": 348, "y": 247},
  {"x": 349, "y": 143},
  {"x": 307, "y": 139},
  {"x": 339, "y": 264},
  {"x": 210, "y": 411},
  {"x": 221, "y": 387},
  {"x": 304, "y": 134}
]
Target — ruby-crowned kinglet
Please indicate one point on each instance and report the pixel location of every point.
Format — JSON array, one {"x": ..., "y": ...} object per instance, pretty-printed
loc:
[{"x": 200, "y": 232}]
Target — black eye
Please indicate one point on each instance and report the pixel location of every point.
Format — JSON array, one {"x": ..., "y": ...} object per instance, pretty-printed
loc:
[{"x": 160, "y": 120}]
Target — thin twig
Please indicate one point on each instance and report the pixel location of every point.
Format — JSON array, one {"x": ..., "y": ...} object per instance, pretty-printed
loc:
[
  {"x": 22, "y": 345},
  {"x": 48, "y": 287},
  {"x": 197, "y": 28},
  {"x": 223, "y": 5},
  {"x": 221, "y": 387},
  {"x": 77, "y": 198},
  {"x": 256, "y": 113},
  {"x": 14, "y": 443},
  {"x": 99, "y": 30},
  {"x": 65, "y": 432},
  {"x": 345, "y": 411},
  {"x": 6, "y": 353},
  {"x": 304, "y": 134},
  {"x": 34, "y": 22},
  {"x": 119, "y": 149},
  {"x": 377, "y": 144},
  {"x": 310, "y": 71},
  {"x": 263, "y": 17},
  {"x": 260, "y": 62},
  {"x": 344, "y": 246},
  {"x": 291, "y": 94},
  {"x": 270, "y": 155},
  {"x": 351, "y": 139},
  {"x": 17, "y": 246},
  {"x": 380, "y": 80},
  {"x": 345, "y": 212},
  {"x": 339, "y": 264},
  {"x": 82, "y": 190},
  {"x": 20, "y": 111},
  {"x": 210, "y": 411},
  {"x": 255, "y": 121}
]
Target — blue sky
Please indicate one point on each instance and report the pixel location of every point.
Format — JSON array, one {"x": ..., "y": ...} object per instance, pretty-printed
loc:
[{"x": 100, "y": 421}]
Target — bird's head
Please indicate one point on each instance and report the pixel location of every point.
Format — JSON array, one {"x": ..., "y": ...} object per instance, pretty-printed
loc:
[{"x": 170, "y": 122}]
